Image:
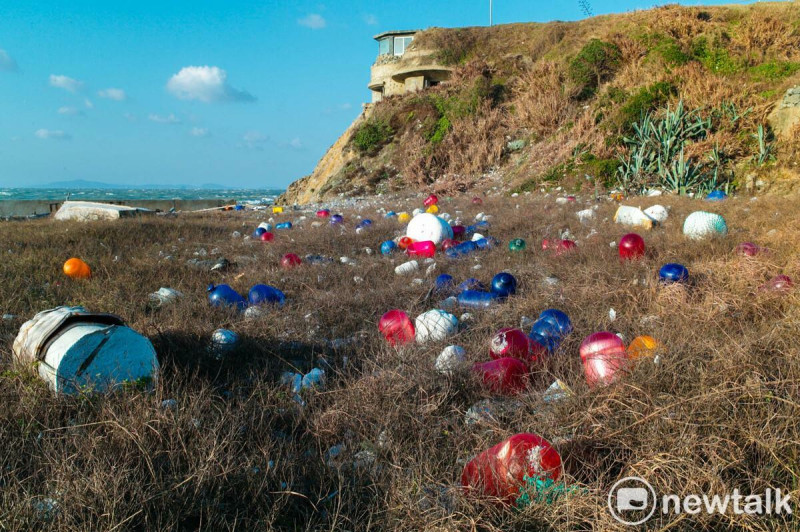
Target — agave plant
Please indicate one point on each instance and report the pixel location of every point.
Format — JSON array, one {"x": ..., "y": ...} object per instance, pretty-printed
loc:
[
  {"x": 766, "y": 148},
  {"x": 656, "y": 152}
]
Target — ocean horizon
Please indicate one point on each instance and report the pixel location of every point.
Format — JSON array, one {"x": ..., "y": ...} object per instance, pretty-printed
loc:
[{"x": 57, "y": 194}]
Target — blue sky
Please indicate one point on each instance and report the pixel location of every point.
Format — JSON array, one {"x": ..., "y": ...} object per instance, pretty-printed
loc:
[{"x": 236, "y": 92}]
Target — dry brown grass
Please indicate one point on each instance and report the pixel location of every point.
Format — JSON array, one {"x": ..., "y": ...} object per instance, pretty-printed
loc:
[
  {"x": 718, "y": 413},
  {"x": 543, "y": 100}
]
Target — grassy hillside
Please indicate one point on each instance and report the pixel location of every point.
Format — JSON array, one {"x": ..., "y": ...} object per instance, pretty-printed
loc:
[{"x": 540, "y": 104}]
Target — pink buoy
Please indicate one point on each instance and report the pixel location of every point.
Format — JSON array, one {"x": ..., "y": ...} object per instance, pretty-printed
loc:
[
  {"x": 396, "y": 327},
  {"x": 500, "y": 471},
  {"x": 323, "y": 213},
  {"x": 510, "y": 342},
  {"x": 631, "y": 246},
  {"x": 290, "y": 260},
  {"x": 425, "y": 249},
  {"x": 779, "y": 283},
  {"x": 748, "y": 249},
  {"x": 507, "y": 376},
  {"x": 603, "y": 354},
  {"x": 431, "y": 200}
]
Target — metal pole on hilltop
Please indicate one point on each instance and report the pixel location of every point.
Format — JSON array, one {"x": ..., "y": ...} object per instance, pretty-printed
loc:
[{"x": 490, "y": 12}]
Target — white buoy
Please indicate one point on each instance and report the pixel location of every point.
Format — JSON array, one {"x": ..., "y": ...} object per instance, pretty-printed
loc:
[
  {"x": 427, "y": 226},
  {"x": 633, "y": 217},
  {"x": 659, "y": 213},
  {"x": 450, "y": 359},
  {"x": 701, "y": 224},
  {"x": 435, "y": 325}
]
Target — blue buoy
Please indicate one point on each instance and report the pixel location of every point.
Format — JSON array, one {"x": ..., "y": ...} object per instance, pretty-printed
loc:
[
  {"x": 225, "y": 296},
  {"x": 444, "y": 284},
  {"x": 673, "y": 273},
  {"x": 388, "y": 247},
  {"x": 557, "y": 318},
  {"x": 264, "y": 294},
  {"x": 504, "y": 284}
]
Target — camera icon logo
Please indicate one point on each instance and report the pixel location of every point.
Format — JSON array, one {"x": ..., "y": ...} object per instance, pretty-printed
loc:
[{"x": 632, "y": 501}]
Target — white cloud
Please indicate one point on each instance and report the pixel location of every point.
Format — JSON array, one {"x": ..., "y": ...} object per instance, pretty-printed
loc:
[
  {"x": 346, "y": 106},
  {"x": 207, "y": 84},
  {"x": 199, "y": 132},
  {"x": 113, "y": 94},
  {"x": 55, "y": 134},
  {"x": 254, "y": 140},
  {"x": 65, "y": 82},
  {"x": 70, "y": 111},
  {"x": 296, "y": 143},
  {"x": 169, "y": 119},
  {"x": 88, "y": 103},
  {"x": 313, "y": 21},
  {"x": 371, "y": 20},
  {"x": 7, "y": 62}
]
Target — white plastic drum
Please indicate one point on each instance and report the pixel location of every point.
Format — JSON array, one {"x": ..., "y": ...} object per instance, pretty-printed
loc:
[{"x": 98, "y": 358}]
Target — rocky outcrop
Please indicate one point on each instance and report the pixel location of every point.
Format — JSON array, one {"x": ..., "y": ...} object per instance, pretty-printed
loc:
[{"x": 785, "y": 118}]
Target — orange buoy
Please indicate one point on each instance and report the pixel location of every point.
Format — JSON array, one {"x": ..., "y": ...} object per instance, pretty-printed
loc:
[
  {"x": 643, "y": 346},
  {"x": 77, "y": 269}
]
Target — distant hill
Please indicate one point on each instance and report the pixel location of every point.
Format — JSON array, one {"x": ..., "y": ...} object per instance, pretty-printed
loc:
[{"x": 84, "y": 184}]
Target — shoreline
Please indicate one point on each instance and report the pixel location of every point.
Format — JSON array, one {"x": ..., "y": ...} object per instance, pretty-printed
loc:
[{"x": 13, "y": 208}]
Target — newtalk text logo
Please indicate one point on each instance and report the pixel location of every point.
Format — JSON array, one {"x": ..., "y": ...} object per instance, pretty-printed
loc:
[{"x": 633, "y": 501}]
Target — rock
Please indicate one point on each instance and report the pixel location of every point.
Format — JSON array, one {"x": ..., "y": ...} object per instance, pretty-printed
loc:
[{"x": 785, "y": 117}]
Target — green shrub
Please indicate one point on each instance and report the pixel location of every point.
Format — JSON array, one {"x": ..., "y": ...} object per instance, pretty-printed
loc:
[
  {"x": 773, "y": 70},
  {"x": 671, "y": 52},
  {"x": 602, "y": 170},
  {"x": 645, "y": 100},
  {"x": 372, "y": 135},
  {"x": 714, "y": 57},
  {"x": 443, "y": 126},
  {"x": 596, "y": 63}
]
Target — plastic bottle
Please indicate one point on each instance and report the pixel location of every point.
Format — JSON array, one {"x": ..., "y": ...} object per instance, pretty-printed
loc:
[{"x": 476, "y": 299}]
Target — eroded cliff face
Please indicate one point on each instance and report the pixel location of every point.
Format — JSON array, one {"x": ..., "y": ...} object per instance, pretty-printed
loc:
[{"x": 532, "y": 105}]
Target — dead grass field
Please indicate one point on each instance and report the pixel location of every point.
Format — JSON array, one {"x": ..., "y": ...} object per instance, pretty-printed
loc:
[{"x": 720, "y": 411}]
